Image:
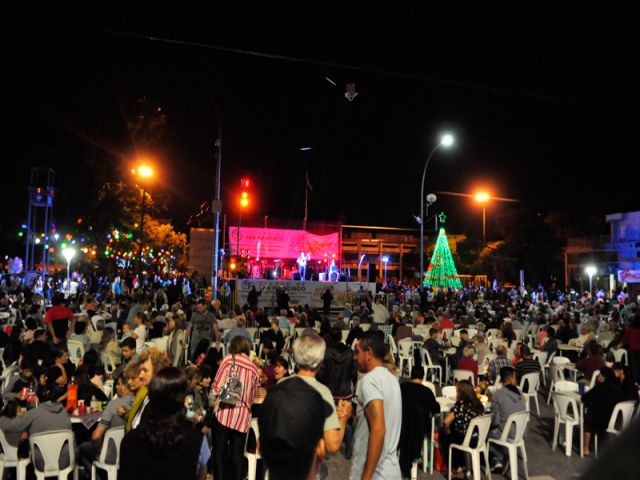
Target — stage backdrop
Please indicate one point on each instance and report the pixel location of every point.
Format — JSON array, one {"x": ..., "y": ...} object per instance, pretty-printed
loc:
[
  {"x": 302, "y": 293},
  {"x": 281, "y": 243}
]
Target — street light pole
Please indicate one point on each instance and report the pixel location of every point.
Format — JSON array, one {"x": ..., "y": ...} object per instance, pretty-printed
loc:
[
  {"x": 141, "y": 232},
  {"x": 385, "y": 260},
  {"x": 591, "y": 271},
  {"x": 217, "y": 209},
  {"x": 144, "y": 172},
  {"x": 484, "y": 224},
  {"x": 446, "y": 141},
  {"x": 68, "y": 253}
]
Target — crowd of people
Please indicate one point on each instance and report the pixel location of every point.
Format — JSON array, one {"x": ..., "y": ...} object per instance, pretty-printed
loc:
[{"x": 193, "y": 378}]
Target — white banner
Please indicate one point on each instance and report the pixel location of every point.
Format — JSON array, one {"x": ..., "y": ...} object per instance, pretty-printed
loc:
[{"x": 302, "y": 293}]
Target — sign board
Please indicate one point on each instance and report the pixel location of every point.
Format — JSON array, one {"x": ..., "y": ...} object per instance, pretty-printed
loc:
[
  {"x": 282, "y": 243},
  {"x": 302, "y": 293},
  {"x": 629, "y": 276}
]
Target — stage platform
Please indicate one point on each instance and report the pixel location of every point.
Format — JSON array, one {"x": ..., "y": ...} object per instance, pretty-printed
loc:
[{"x": 301, "y": 292}]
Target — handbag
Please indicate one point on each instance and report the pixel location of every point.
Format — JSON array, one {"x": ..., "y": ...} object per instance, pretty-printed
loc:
[{"x": 231, "y": 392}]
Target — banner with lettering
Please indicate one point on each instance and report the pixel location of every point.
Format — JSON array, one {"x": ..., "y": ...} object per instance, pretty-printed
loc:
[
  {"x": 304, "y": 293},
  {"x": 282, "y": 243}
]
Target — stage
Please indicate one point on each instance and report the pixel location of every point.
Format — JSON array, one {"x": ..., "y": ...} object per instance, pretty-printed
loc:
[{"x": 301, "y": 293}]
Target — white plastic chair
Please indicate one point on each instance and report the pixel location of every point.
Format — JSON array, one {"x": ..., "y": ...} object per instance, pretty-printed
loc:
[
  {"x": 108, "y": 363},
  {"x": 472, "y": 332},
  {"x": 430, "y": 386},
  {"x": 450, "y": 392},
  {"x": 532, "y": 381},
  {"x": 252, "y": 457},
  {"x": 405, "y": 354},
  {"x": 621, "y": 355},
  {"x": 562, "y": 403},
  {"x": 520, "y": 420},
  {"x": 427, "y": 445},
  {"x": 459, "y": 374},
  {"x": 428, "y": 365},
  {"x": 625, "y": 409},
  {"x": 112, "y": 437},
  {"x": 392, "y": 346},
  {"x": 594, "y": 377},
  {"x": 107, "y": 388},
  {"x": 542, "y": 358},
  {"x": 50, "y": 446},
  {"x": 454, "y": 341},
  {"x": 557, "y": 375},
  {"x": 492, "y": 332},
  {"x": 76, "y": 350},
  {"x": 252, "y": 332},
  {"x": 9, "y": 459},
  {"x": 547, "y": 364},
  {"x": 480, "y": 424}
]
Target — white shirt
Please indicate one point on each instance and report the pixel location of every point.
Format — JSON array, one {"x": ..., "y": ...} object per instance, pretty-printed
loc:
[{"x": 141, "y": 332}]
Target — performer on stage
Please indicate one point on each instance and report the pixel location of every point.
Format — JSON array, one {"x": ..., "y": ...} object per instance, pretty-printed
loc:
[
  {"x": 302, "y": 264},
  {"x": 334, "y": 273}
]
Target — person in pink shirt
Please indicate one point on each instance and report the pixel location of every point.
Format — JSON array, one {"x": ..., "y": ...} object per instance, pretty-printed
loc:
[{"x": 541, "y": 337}]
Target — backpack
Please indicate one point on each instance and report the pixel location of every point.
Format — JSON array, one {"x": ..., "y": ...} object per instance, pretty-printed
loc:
[{"x": 231, "y": 392}]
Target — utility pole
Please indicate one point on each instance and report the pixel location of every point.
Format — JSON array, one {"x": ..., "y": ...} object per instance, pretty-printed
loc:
[{"x": 217, "y": 209}]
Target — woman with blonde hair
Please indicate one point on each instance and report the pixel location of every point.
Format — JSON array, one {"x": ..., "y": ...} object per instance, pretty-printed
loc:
[{"x": 152, "y": 361}]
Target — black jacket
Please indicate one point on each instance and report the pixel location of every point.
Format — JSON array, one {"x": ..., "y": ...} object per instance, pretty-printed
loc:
[{"x": 338, "y": 370}]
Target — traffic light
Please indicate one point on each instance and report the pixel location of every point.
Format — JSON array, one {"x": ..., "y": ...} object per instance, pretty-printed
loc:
[{"x": 244, "y": 196}]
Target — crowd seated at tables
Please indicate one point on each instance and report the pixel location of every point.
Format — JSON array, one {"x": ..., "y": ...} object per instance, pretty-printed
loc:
[{"x": 159, "y": 367}]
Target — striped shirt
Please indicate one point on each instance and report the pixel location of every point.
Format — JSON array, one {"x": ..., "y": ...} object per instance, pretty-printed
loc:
[
  {"x": 495, "y": 366},
  {"x": 237, "y": 418}
]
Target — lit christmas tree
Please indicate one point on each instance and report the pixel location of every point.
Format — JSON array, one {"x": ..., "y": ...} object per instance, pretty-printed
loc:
[{"x": 442, "y": 271}]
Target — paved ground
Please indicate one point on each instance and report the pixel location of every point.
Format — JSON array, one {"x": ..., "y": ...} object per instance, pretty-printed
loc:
[{"x": 543, "y": 462}]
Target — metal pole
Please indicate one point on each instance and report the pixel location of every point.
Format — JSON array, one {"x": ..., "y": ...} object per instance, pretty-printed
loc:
[
  {"x": 424, "y": 173},
  {"x": 484, "y": 224},
  {"x": 217, "y": 210},
  {"x": 306, "y": 198},
  {"x": 68, "y": 281},
  {"x": 46, "y": 234},
  {"x": 141, "y": 232},
  {"x": 238, "y": 234}
]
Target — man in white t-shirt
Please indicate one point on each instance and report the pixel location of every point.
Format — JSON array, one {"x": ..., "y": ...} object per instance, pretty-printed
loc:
[
  {"x": 140, "y": 332},
  {"x": 379, "y": 414}
]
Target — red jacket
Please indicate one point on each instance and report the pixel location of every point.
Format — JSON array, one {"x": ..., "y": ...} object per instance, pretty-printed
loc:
[{"x": 469, "y": 364}]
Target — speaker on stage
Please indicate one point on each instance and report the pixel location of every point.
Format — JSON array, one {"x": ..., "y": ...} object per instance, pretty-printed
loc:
[
  {"x": 343, "y": 278},
  {"x": 314, "y": 277},
  {"x": 296, "y": 276},
  {"x": 372, "y": 272}
]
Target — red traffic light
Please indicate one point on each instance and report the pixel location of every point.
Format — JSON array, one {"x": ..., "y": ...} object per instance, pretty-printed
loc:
[{"x": 245, "y": 182}]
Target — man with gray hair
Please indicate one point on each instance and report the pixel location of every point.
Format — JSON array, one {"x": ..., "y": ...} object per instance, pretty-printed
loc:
[{"x": 308, "y": 353}]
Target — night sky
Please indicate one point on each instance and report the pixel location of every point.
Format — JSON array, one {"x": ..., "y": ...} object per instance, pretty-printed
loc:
[{"x": 546, "y": 113}]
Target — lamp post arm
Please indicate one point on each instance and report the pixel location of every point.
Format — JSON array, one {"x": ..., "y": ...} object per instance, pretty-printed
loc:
[{"x": 424, "y": 174}]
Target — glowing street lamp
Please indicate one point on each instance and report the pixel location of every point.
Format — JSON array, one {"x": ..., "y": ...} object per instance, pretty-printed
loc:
[
  {"x": 483, "y": 198},
  {"x": 144, "y": 172},
  {"x": 68, "y": 253},
  {"x": 446, "y": 141},
  {"x": 591, "y": 271}
]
